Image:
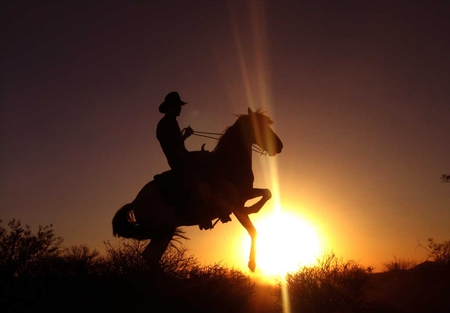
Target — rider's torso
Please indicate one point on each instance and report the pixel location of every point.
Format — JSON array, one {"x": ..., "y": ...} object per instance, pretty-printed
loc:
[{"x": 169, "y": 135}]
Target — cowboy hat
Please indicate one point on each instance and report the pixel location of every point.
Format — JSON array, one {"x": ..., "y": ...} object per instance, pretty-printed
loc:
[{"x": 172, "y": 99}]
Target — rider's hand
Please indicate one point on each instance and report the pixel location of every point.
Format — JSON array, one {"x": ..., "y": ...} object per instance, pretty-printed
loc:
[{"x": 188, "y": 131}]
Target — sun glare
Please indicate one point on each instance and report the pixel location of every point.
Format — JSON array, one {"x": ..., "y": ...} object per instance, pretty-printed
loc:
[{"x": 284, "y": 243}]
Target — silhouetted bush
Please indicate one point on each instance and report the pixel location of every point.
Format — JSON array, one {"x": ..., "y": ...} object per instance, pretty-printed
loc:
[
  {"x": 330, "y": 286},
  {"x": 177, "y": 262},
  {"x": 439, "y": 252},
  {"x": 228, "y": 289},
  {"x": 43, "y": 276},
  {"x": 398, "y": 265},
  {"x": 80, "y": 260},
  {"x": 180, "y": 282},
  {"x": 23, "y": 253},
  {"x": 124, "y": 258}
]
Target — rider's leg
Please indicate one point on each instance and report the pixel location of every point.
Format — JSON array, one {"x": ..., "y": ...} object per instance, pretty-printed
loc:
[
  {"x": 205, "y": 196},
  {"x": 228, "y": 198}
]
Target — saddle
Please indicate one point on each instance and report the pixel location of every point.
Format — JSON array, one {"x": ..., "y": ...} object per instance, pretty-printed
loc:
[
  {"x": 174, "y": 187},
  {"x": 189, "y": 205}
]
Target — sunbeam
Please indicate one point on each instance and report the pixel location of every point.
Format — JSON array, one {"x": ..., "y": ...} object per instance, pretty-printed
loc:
[{"x": 259, "y": 40}]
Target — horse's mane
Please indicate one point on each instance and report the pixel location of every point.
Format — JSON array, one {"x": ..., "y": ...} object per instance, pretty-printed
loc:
[
  {"x": 260, "y": 113},
  {"x": 230, "y": 130}
]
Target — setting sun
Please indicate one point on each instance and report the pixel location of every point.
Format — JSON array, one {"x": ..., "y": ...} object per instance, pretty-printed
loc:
[{"x": 284, "y": 243}]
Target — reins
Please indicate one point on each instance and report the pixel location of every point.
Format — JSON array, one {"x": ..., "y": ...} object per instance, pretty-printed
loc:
[
  {"x": 208, "y": 135},
  {"x": 217, "y": 136}
]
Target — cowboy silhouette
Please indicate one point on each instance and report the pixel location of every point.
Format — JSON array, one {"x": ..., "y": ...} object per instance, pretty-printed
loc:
[
  {"x": 183, "y": 163},
  {"x": 168, "y": 132}
]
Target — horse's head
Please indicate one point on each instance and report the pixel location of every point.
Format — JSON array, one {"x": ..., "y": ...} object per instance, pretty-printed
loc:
[
  {"x": 257, "y": 126},
  {"x": 249, "y": 129}
]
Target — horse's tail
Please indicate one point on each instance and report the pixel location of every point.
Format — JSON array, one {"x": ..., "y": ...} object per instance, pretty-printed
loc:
[{"x": 123, "y": 223}]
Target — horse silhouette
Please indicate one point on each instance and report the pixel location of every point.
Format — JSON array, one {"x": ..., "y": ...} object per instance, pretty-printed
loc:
[{"x": 156, "y": 213}]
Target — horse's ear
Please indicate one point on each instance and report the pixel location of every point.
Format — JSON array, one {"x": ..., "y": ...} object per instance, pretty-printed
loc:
[{"x": 250, "y": 112}]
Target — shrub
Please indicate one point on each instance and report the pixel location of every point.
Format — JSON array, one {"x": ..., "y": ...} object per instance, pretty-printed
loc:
[
  {"x": 215, "y": 288},
  {"x": 177, "y": 262},
  {"x": 439, "y": 252},
  {"x": 23, "y": 253},
  {"x": 119, "y": 281},
  {"x": 399, "y": 265},
  {"x": 124, "y": 259},
  {"x": 330, "y": 286},
  {"x": 80, "y": 260},
  {"x": 182, "y": 282}
]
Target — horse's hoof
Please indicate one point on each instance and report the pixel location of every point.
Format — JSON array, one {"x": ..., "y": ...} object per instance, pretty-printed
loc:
[{"x": 252, "y": 265}]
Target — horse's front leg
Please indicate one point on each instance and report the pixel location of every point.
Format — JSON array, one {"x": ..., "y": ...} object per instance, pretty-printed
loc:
[
  {"x": 254, "y": 193},
  {"x": 248, "y": 225}
]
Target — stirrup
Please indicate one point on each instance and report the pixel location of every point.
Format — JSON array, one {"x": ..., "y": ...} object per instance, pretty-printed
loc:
[
  {"x": 225, "y": 219},
  {"x": 205, "y": 225}
]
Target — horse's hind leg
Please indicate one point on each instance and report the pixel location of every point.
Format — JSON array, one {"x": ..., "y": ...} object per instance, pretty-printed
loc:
[{"x": 155, "y": 249}]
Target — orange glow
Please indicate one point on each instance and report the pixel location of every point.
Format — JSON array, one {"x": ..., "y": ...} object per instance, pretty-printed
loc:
[{"x": 284, "y": 243}]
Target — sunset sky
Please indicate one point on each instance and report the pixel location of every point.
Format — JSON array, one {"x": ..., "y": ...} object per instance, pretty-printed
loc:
[{"x": 359, "y": 94}]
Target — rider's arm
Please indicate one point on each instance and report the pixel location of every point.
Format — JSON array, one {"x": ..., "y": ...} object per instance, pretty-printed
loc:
[{"x": 188, "y": 131}]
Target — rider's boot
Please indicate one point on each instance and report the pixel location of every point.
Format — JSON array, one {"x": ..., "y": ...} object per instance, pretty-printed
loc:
[
  {"x": 225, "y": 217},
  {"x": 205, "y": 225}
]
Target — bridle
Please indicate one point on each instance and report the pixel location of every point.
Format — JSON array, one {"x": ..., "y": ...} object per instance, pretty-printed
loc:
[{"x": 217, "y": 136}]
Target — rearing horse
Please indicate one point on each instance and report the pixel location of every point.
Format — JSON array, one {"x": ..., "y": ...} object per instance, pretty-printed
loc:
[{"x": 150, "y": 216}]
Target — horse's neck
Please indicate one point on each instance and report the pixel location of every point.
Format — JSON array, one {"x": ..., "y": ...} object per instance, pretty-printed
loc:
[
  {"x": 246, "y": 173},
  {"x": 236, "y": 158},
  {"x": 241, "y": 160}
]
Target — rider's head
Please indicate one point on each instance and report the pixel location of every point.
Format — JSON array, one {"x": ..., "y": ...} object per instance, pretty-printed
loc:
[{"x": 172, "y": 104}]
